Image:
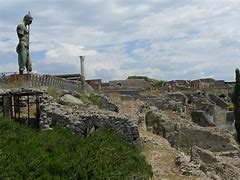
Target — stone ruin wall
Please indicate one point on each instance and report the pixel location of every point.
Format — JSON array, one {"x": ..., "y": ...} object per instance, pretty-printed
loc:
[
  {"x": 84, "y": 122},
  {"x": 184, "y": 134},
  {"x": 82, "y": 119},
  {"x": 129, "y": 84}
]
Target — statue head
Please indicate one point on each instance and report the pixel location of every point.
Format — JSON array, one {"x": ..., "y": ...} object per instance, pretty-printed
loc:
[
  {"x": 28, "y": 19},
  {"x": 237, "y": 71}
]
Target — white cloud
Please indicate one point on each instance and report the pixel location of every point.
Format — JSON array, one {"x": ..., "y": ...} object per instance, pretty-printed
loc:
[
  {"x": 9, "y": 68},
  {"x": 64, "y": 53},
  {"x": 69, "y": 50},
  {"x": 177, "y": 39}
]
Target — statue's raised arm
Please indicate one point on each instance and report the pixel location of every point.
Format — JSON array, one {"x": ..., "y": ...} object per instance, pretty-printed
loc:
[{"x": 23, "y": 44}]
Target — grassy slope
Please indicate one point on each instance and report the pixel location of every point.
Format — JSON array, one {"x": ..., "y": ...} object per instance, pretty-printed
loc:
[{"x": 58, "y": 154}]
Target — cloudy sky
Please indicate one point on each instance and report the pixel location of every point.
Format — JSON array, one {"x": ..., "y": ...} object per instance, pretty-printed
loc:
[{"x": 162, "y": 39}]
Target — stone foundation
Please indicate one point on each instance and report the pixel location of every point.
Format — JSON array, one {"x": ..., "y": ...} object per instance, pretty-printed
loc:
[{"x": 83, "y": 120}]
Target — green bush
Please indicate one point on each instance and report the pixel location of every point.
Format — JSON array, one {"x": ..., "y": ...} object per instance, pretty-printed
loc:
[
  {"x": 58, "y": 154},
  {"x": 156, "y": 83}
]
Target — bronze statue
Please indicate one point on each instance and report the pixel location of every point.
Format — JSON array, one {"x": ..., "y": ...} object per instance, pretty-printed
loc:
[{"x": 23, "y": 45}]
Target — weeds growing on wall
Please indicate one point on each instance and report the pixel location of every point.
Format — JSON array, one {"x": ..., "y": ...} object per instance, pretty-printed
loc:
[
  {"x": 58, "y": 154},
  {"x": 83, "y": 96},
  {"x": 55, "y": 92},
  {"x": 95, "y": 99}
]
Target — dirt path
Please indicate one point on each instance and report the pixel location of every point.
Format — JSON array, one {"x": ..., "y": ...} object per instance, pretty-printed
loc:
[
  {"x": 161, "y": 156},
  {"x": 156, "y": 149}
]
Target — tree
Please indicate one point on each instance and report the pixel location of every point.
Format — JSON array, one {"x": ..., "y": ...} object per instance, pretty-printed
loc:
[{"x": 236, "y": 102}]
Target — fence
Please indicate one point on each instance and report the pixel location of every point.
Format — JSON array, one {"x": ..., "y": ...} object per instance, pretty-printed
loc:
[
  {"x": 22, "y": 105},
  {"x": 36, "y": 80}
]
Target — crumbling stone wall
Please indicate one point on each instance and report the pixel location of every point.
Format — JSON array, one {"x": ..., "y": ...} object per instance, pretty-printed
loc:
[
  {"x": 108, "y": 104},
  {"x": 178, "y": 96},
  {"x": 202, "y": 119},
  {"x": 218, "y": 101},
  {"x": 206, "y": 139},
  {"x": 84, "y": 120},
  {"x": 209, "y": 165},
  {"x": 184, "y": 134},
  {"x": 230, "y": 116}
]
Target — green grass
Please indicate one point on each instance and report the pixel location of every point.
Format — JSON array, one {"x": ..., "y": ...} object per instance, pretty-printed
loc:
[
  {"x": 95, "y": 99},
  {"x": 83, "y": 96},
  {"x": 55, "y": 92},
  {"x": 1, "y": 111},
  {"x": 58, "y": 154}
]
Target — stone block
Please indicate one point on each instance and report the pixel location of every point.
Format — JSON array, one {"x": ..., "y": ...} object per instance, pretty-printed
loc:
[
  {"x": 199, "y": 117},
  {"x": 218, "y": 101}
]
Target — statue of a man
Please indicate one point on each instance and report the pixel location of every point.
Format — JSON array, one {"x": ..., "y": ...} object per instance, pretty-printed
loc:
[{"x": 23, "y": 45}]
